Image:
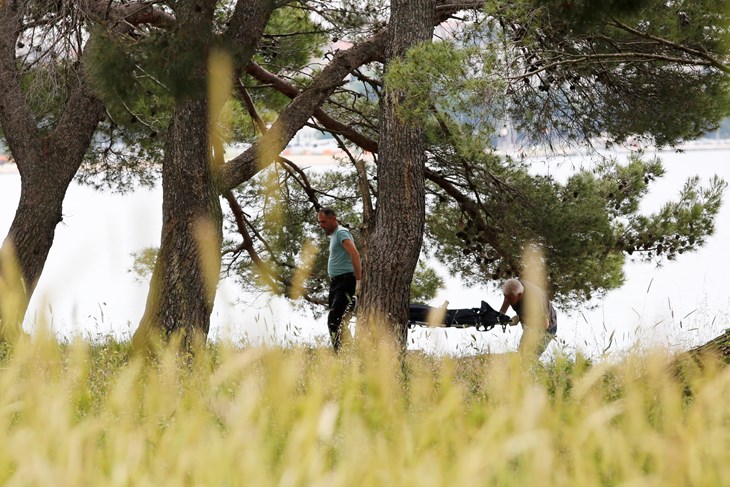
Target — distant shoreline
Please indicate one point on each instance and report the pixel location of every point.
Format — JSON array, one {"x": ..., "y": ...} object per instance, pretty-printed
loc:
[
  {"x": 332, "y": 158},
  {"x": 697, "y": 145},
  {"x": 706, "y": 144}
]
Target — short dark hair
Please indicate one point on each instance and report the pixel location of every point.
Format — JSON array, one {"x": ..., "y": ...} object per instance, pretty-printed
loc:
[{"x": 327, "y": 212}]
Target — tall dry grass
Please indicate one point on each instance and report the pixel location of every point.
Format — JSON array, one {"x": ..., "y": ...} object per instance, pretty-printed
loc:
[{"x": 78, "y": 414}]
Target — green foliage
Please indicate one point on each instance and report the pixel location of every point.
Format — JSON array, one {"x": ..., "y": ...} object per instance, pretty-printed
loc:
[
  {"x": 291, "y": 40},
  {"x": 358, "y": 104},
  {"x": 586, "y": 225},
  {"x": 351, "y": 19},
  {"x": 131, "y": 75},
  {"x": 141, "y": 77},
  {"x": 128, "y": 147},
  {"x": 111, "y": 66},
  {"x": 127, "y": 68},
  {"x": 48, "y": 86},
  {"x": 441, "y": 77},
  {"x": 642, "y": 66},
  {"x": 280, "y": 239},
  {"x": 426, "y": 283},
  {"x": 576, "y": 71},
  {"x": 584, "y": 13},
  {"x": 46, "y": 55},
  {"x": 679, "y": 226}
]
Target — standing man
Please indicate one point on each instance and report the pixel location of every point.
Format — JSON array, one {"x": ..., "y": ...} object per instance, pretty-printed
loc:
[
  {"x": 345, "y": 271},
  {"x": 535, "y": 311}
]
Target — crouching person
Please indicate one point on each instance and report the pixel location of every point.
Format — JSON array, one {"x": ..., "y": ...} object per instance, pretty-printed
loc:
[{"x": 535, "y": 312}]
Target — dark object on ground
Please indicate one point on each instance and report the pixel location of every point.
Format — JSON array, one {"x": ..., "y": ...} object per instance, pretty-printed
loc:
[{"x": 483, "y": 318}]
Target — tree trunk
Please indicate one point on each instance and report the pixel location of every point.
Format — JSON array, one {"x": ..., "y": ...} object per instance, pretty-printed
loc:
[
  {"x": 28, "y": 242},
  {"x": 187, "y": 270},
  {"x": 186, "y": 273},
  {"x": 45, "y": 176},
  {"x": 46, "y": 171},
  {"x": 395, "y": 243},
  {"x": 34, "y": 225},
  {"x": 182, "y": 289},
  {"x": 47, "y": 163}
]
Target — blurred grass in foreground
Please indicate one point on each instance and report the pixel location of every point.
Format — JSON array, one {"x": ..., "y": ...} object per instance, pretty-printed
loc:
[{"x": 78, "y": 414}]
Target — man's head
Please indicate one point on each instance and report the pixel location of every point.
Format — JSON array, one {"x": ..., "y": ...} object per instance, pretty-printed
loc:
[
  {"x": 512, "y": 290},
  {"x": 327, "y": 220}
]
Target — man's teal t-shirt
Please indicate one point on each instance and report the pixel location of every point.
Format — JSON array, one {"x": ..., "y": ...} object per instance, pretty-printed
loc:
[{"x": 339, "y": 261}]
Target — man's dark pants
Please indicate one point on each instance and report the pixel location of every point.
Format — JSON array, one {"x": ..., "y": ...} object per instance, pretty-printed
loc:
[{"x": 342, "y": 289}]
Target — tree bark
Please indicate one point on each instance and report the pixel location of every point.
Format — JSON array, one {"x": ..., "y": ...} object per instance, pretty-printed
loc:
[
  {"x": 183, "y": 285},
  {"x": 397, "y": 235},
  {"x": 187, "y": 270},
  {"x": 181, "y": 294},
  {"x": 46, "y": 171},
  {"x": 47, "y": 163}
]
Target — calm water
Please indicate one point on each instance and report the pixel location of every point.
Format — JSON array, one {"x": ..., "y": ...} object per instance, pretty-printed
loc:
[{"x": 86, "y": 287}]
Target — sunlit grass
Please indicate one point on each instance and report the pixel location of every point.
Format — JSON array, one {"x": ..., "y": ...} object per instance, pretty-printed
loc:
[{"x": 88, "y": 415}]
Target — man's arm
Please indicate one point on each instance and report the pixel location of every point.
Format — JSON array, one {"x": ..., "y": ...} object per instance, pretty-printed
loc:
[
  {"x": 515, "y": 320},
  {"x": 350, "y": 248}
]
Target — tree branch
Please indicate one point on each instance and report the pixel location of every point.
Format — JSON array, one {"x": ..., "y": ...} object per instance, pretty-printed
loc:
[
  {"x": 622, "y": 57},
  {"x": 299, "y": 176},
  {"x": 296, "y": 114},
  {"x": 18, "y": 123},
  {"x": 711, "y": 60},
  {"x": 115, "y": 15},
  {"x": 262, "y": 268},
  {"x": 303, "y": 106},
  {"x": 250, "y": 107},
  {"x": 272, "y": 279},
  {"x": 246, "y": 26},
  {"x": 333, "y": 125},
  {"x": 471, "y": 209}
]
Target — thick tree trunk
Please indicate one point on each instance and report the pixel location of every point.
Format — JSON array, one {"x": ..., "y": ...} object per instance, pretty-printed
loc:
[
  {"x": 47, "y": 163},
  {"x": 186, "y": 273},
  {"x": 34, "y": 225},
  {"x": 29, "y": 242},
  {"x": 45, "y": 175},
  {"x": 182, "y": 288},
  {"x": 47, "y": 167},
  {"x": 396, "y": 238}
]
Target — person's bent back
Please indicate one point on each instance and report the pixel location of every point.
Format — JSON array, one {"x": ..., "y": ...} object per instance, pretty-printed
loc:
[{"x": 535, "y": 312}]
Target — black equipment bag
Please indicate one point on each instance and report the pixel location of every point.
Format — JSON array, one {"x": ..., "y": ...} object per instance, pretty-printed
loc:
[{"x": 483, "y": 318}]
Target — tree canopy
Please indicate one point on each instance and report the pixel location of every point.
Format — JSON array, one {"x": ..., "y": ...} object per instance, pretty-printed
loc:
[
  {"x": 553, "y": 75},
  {"x": 554, "y": 82}
]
